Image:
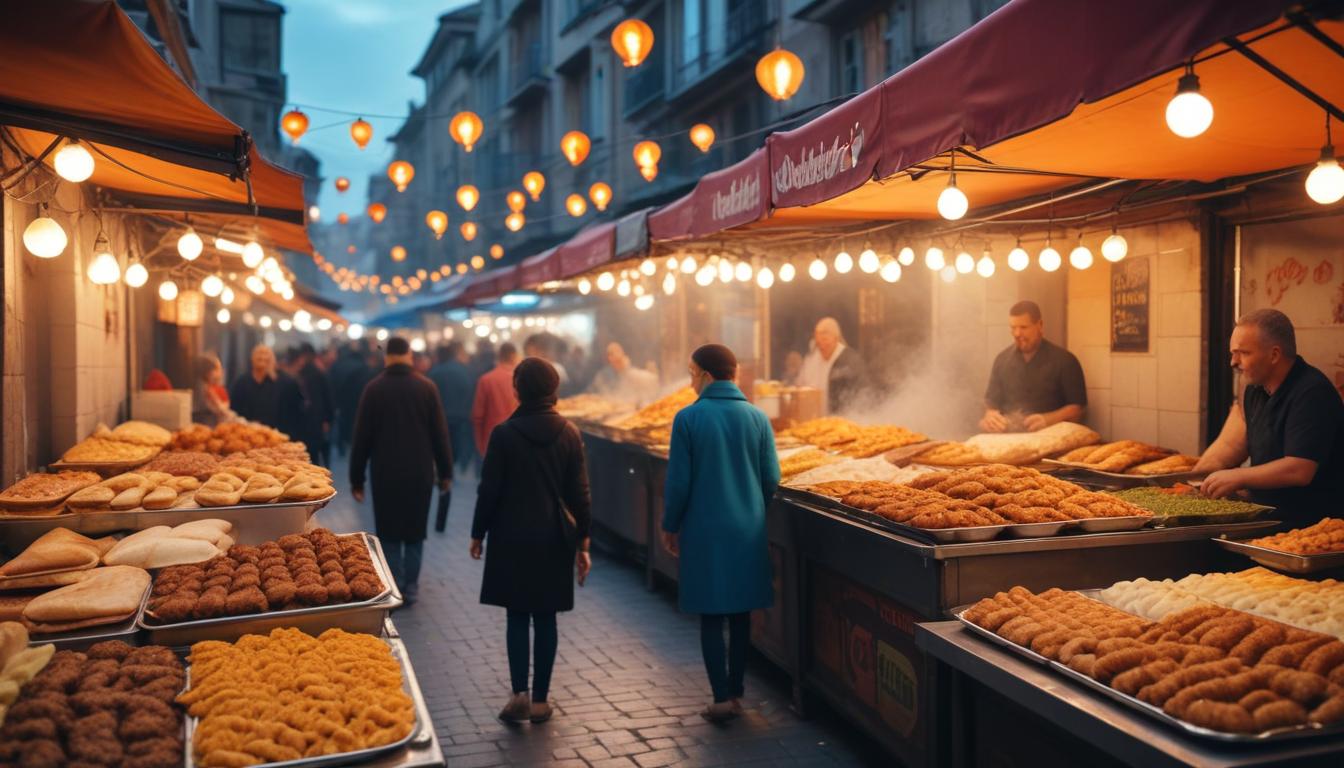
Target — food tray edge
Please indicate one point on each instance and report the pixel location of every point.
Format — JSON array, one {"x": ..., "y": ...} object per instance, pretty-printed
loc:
[{"x": 1284, "y": 561}]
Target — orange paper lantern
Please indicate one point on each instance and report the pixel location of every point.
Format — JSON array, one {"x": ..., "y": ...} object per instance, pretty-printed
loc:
[
  {"x": 496, "y": 251},
  {"x": 468, "y": 230},
  {"x": 361, "y": 132},
  {"x": 398, "y": 254},
  {"x": 576, "y": 205},
  {"x": 632, "y": 39},
  {"x": 647, "y": 153},
  {"x": 350, "y": 249},
  {"x": 437, "y": 221},
  {"x": 343, "y": 218},
  {"x": 780, "y": 74},
  {"x": 477, "y": 262},
  {"x": 401, "y": 173},
  {"x": 294, "y": 123},
  {"x": 649, "y": 172},
  {"x": 600, "y": 194},
  {"x": 515, "y": 200},
  {"x": 534, "y": 182},
  {"x": 515, "y": 221},
  {"x": 466, "y": 129},
  {"x": 377, "y": 212},
  {"x": 575, "y": 145},
  {"x": 468, "y": 196},
  {"x": 702, "y": 136},
  {"x": 462, "y": 269},
  {"x": 342, "y": 183}
]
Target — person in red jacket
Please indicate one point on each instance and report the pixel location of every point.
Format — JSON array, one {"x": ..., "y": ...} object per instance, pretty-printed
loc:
[{"x": 495, "y": 398}]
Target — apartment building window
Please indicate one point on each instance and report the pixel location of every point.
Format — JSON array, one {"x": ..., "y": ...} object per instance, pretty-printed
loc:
[
  {"x": 851, "y": 63},
  {"x": 597, "y": 103},
  {"x": 250, "y": 42},
  {"x": 491, "y": 91},
  {"x": 900, "y": 35}
]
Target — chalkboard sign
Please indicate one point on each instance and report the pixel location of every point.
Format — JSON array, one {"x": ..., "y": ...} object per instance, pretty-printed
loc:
[{"x": 1129, "y": 305}]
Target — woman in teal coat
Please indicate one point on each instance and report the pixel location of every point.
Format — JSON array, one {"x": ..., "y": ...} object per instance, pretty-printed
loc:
[{"x": 720, "y": 478}]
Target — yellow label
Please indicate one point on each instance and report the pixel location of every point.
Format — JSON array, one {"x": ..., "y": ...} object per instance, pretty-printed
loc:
[{"x": 897, "y": 689}]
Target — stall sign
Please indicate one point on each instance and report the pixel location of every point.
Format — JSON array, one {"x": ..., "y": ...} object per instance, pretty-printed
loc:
[
  {"x": 588, "y": 250},
  {"x": 826, "y": 157},
  {"x": 1129, "y": 305},
  {"x": 733, "y": 196}
]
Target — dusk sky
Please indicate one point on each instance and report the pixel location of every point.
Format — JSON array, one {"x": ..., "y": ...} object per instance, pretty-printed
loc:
[{"x": 355, "y": 55}]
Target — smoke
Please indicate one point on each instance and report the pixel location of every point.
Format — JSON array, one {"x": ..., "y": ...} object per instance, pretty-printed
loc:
[{"x": 941, "y": 401}]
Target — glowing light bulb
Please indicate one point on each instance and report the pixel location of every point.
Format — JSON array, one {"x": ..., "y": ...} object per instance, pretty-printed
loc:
[
  {"x": 669, "y": 284},
  {"x": 189, "y": 245},
  {"x": 623, "y": 288},
  {"x": 965, "y": 263},
  {"x": 952, "y": 202},
  {"x": 253, "y": 254},
  {"x": 226, "y": 298},
  {"x": 787, "y": 272},
  {"x": 285, "y": 324},
  {"x": 725, "y": 271},
  {"x": 168, "y": 290},
  {"x": 648, "y": 268},
  {"x": 1189, "y": 113},
  {"x": 1018, "y": 259},
  {"x": 1325, "y": 183},
  {"x": 355, "y": 331},
  {"x": 104, "y": 269},
  {"x": 73, "y": 162},
  {"x": 948, "y": 273},
  {"x": 136, "y": 275},
  {"x": 765, "y": 278},
  {"x": 255, "y": 284},
  {"x": 933, "y": 258},
  {"x": 688, "y": 265},
  {"x": 843, "y": 262},
  {"x": 869, "y": 262},
  {"x": 817, "y": 269},
  {"x": 705, "y": 276},
  {"x": 1114, "y": 247},
  {"x": 212, "y": 286},
  {"x": 585, "y": 286},
  {"x": 743, "y": 272},
  {"x": 44, "y": 238},
  {"x": 891, "y": 271},
  {"x": 1049, "y": 259},
  {"x": 606, "y": 281},
  {"x": 223, "y": 315},
  {"x": 1080, "y": 257},
  {"x": 906, "y": 257},
  {"x": 985, "y": 266},
  {"x": 265, "y": 321},
  {"x": 671, "y": 264}
]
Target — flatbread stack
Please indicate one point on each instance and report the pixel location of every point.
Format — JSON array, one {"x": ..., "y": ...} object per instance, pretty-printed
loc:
[
  {"x": 1029, "y": 447},
  {"x": 161, "y": 546},
  {"x": 55, "y": 551},
  {"x": 135, "y": 490},
  {"x": 44, "y": 494},
  {"x": 1130, "y": 457},
  {"x": 107, "y": 596},
  {"x": 136, "y": 433}
]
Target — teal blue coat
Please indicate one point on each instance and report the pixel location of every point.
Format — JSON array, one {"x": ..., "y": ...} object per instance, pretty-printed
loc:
[{"x": 720, "y": 477}]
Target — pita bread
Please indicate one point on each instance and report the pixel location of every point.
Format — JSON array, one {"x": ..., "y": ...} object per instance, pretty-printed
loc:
[
  {"x": 160, "y": 552},
  {"x": 59, "y": 549},
  {"x": 109, "y": 593},
  {"x": 52, "y": 628},
  {"x": 209, "y": 529},
  {"x": 12, "y": 605},
  {"x": 43, "y": 581}
]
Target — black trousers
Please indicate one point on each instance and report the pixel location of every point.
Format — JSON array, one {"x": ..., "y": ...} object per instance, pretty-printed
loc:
[
  {"x": 727, "y": 676},
  {"x": 543, "y": 661}
]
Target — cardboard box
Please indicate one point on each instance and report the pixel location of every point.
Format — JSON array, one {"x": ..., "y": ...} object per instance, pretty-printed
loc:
[{"x": 170, "y": 409}]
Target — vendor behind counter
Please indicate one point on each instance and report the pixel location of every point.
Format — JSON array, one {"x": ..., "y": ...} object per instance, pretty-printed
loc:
[{"x": 1033, "y": 383}]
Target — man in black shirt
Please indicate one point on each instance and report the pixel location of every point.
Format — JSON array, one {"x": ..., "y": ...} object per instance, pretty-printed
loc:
[
  {"x": 269, "y": 396},
  {"x": 1289, "y": 423},
  {"x": 1033, "y": 383}
]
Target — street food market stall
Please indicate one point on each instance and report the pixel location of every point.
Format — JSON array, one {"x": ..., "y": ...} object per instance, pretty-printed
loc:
[{"x": 1142, "y": 239}]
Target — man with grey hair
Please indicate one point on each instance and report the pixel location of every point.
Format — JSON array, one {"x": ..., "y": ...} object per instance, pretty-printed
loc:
[
  {"x": 1289, "y": 423},
  {"x": 832, "y": 367},
  {"x": 268, "y": 395}
]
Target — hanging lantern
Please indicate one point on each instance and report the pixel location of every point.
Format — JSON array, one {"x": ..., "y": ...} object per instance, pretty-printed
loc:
[
  {"x": 342, "y": 183},
  {"x": 73, "y": 162},
  {"x": 294, "y": 123},
  {"x": 136, "y": 276},
  {"x": 466, "y": 129},
  {"x": 575, "y": 145},
  {"x": 477, "y": 263},
  {"x": 647, "y": 153},
  {"x": 780, "y": 74},
  {"x": 496, "y": 251},
  {"x": 190, "y": 245},
  {"x": 632, "y": 39},
  {"x": 576, "y": 205},
  {"x": 702, "y": 136},
  {"x": 104, "y": 269},
  {"x": 398, "y": 253},
  {"x": 377, "y": 212},
  {"x": 468, "y": 196},
  {"x": 649, "y": 172},
  {"x": 401, "y": 173},
  {"x": 361, "y": 132},
  {"x": 462, "y": 268},
  {"x": 468, "y": 230},
  {"x": 514, "y": 221},
  {"x": 515, "y": 201},
  {"x": 44, "y": 237},
  {"x": 437, "y": 221},
  {"x": 534, "y": 182},
  {"x": 343, "y": 218},
  {"x": 349, "y": 249},
  {"x": 600, "y": 194}
]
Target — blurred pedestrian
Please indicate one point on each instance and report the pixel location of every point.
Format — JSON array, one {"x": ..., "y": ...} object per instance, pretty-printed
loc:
[
  {"x": 495, "y": 398},
  {"x": 457, "y": 391},
  {"x": 348, "y": 371},
  {"x": 533, "y": 509},
  {"x": 483, "y": 361},
  {"x": 208, "y": 405},
  {"x": 319, "y": 405},
  {"x": 721, "y": 474},
  {"x": 400, "y": 431},
  {"x": 267, "y": 395}
]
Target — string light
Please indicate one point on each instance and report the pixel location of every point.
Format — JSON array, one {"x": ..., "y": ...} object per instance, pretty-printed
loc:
[
  {"x": 725, "y": 271},
  {"x": 104, "y": 269},
  {"x": 342, "y": 183},
  {"x": 466, "y": 128},
  {"x": 743, "y": 272},
  {"x": 437, "y": 222},
  {"x": 398, "y": 253},
  {"x": 574, "y": 146},
  {"x": 606, "y": 281},
  {"x": 468, "y": 196},
  {"x": 314, "y": 213},
  {"x": 787, "y": 272},
  {"x": 496, "y": 251},
  {"x": 1115, "y": 247},
  {"x": 585, "y": 286},
  {"x": 401, "y": 173},
  {"x": 648, "y": 268},
  {"x": 1325, "y": 183},
  {"x": 869, "y": 262},
  {"x": 515, "y": 221},
  {"x": 702, "y": 136},
  {"x": 600, "y": 194},
  {"x": 361, "y": 132},
  {"x": 705, "y": 275},
  {"x": 168, "y": 290},
  {"x": 952, "y": 202},
  {"x": 343, "y": 218},
  {"x": 985, "y": 266},
  {"x": 1049, "y": 258},
  {"x": 534, "y": 183},
  {"x": 891, "y": 271},
  {"x": 44, "y": 237},
  {"x": 1081, "y": 256},
  {"x": 477, "y": 263},
  {"x": 934, "y": 259},
  {"x": 688, "y": 265},
  {"x": 468, "y": 230},
  {"x": 515, "y": 200},
  {"x": 623, "y": 287},
  {"x": 575, "y": 205},
  {"x": 73, "y": 162},
  {"x": 817, "y": 269},
  {"x": 780, "y": 74},
  {"x": 294, "y": 123},
  {"x": 644, "y": 303},
  {"x": 223, "y": 315},
  {"x": 906, "y": 257},
  {"x": 647, "y": 153},
  {"x": 948, "y": 273},
  {"x": 1189, "y": 113},
  {"x": 964, "y": 263},
  {"x": 377, "y": 212},
  {"x": 765, "y": 278},
  {"x": 843, "y": 263},
  {"x": 669, "y": 284},
  {"x": 252, "y": 254},
  {"x": 226, "y": 298},
  {"x": 1018, "y": 258},
  {"x": 136, "y": 275},
  {"x": 632, "y": 40}
]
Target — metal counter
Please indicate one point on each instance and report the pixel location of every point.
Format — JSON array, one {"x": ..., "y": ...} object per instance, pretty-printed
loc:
[
  {"x": 976, "y": 672},
  {"x": 424, "y": 749}
]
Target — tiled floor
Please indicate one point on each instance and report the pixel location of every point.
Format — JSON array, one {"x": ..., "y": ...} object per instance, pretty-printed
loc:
[{"x": 628, "y": 684}]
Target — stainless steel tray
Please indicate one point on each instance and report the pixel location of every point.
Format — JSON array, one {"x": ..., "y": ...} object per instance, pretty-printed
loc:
[
  {"x": 1127, "y": 480},
  {"x": 1173, "y": 521},
  {"x": 931, "y": 535},
  {"x": 1284, "y": 561},
  {"x": 363, "y": 616},
  {"x": 79, "y": 639},
  {"x": 1033, "y": 530},
  {"x": 344, "y": 758},
  {"x": 1265, "y": 737},
  {"x": 1109, "y": 524}
]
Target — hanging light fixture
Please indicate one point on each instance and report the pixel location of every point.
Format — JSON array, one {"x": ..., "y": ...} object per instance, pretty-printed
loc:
[
  {"x": 136, "y": 274},
  {"x": 1325, "y": 183},
  {"x": 496, "y": 251},
  {"x": 401, "y": 173},
  {"x": 632, "y": 40},
  {"x": 869, "y": 262},
  {"x": 906, "y": 256},
  {"x": 1049, "y": 258},
  {"x": 1189, "y": 113},
  {"x": 985, "y": 266},
  {"x": 952, "y": 202},
  {"x": 725, "y": 271},
  {"x": 190, "y": 245},
  {"x": 780, "y": 74},
  {"x": 253, "y": 254},
  {"x": 211, "y": 286},
  {"x": 688, "y": 265},
  {"x": 515, "y": 200},
  {"x": 606, "y": 281},
  {"x": 534, "y": 182},
  {"x": 1018, "y": 258},
  {"x": 1081, "y": 256},
  {"x": 705, "y": 276},
  {"x": 467, "y": 196},
  {"x": 647, "y": 153},
  {"x": 468, "y": 230},
  {"x": 398, "y": 253},
  {"x": 787, "y": 272},
  {"x": 743, "y": 272},
  {"x": 226, "y": 298},
  {"x": 585, "y": 286},
  {"x": 574, "y": 146},
  {"x": 843, "y": 262},
  {"x": 515, "y": 221},
  {"x": 361, "y": 132},
  {"x": 477, "y": 263},
  {"x": 438, "y": 222},
  {"x": 817, "y": 269},
  {"x": 672, "y": 264},
  {"x": 168, "y": 289},
  {"x": 104, "y": 269},
  {"x": 314, "y": 213},
  {"x": 343, "y": 218},
  {"x": 44, "y": 237},
  {"x": 964, "y": 263},
  {"x": 623, "y": 287},
  {"x": 891, "y": 271},
  {"x": 466, "y": 129},
  {"x": 294, "y": 123},
  {"x": 462, "y": 268},
  {"x": 342, "y": 184},
  {"x": 765, "y": 278},
  {"x": 702, "y": 136},
  {"x": 648, "y": 268},
  {"x": 934, "y": 259},
  {"x": 669, "y": 284},
  {"x": 644, "y": 303},
  {"x": 73, "y": 162},
  {"x": 600, "y": 194},
  {"x": 948, "y": 273},
  {"x": 377, "y": 212},
  {"x": 223, "y": 315},
  {"x": 1115, "y": 247}
]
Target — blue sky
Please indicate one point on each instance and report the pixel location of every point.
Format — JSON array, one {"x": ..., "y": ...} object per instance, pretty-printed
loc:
[{"x": 355, "y": 55}]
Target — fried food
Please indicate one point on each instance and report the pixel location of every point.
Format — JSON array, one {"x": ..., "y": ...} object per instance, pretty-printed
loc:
[
  {"x": 1323, "y": 538},
  {"x": 1129, "y": 457},
  {"x": 950, "y": 455},
  {"x": 233, "y": 437},
  {"x": 102, "y": 450},
  {"x": 182, "y": 463},
  {"x": 42, "y": 489}
]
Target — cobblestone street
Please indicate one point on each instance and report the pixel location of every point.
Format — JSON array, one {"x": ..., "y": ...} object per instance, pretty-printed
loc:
[{"x": 628, "y": 684}]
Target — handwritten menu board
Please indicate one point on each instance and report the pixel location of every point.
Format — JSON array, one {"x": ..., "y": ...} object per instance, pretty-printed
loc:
[{"x": 1129, "y": 305}]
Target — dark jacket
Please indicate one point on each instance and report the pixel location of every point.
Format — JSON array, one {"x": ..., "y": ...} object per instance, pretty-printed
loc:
[
  {"x": 275, "y": 402},
  {"x": 848, "y": 378},
  {"x": 349, "y": 376},
  {"x": 400, "y": 430},
  {"x": 528, "y": 564},
  {"x": 457, "y": 388},
  {"x": 319, "y": 404}
]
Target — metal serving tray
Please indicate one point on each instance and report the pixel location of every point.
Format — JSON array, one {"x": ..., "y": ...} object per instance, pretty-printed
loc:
[
  {"x": 1034, "y": 530},
  {"x": 343, "y": 758},
  {"x": 1109, "y": 524},
  {"x": 80, "y": 639},
  {"x": 1126, "y": 480},
  {"x": 932, "y": 535},
  {"x": 364, "y": 616},
  {"x": 1283, "y": 561},
  {"x": 1264, "y": 737},
  {"x": 1173, "y": 521}
]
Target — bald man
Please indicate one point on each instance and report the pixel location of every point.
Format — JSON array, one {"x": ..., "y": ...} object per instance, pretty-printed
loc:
[
  {"x": 832, "y": 366},
  {"x": 620, "y": 380},
  {"x": 268, "y": 395}
]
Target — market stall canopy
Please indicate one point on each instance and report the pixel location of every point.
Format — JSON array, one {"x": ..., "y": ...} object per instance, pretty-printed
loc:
[
  {"x": 488, "y": 286},
  {"x": 729, "y": 197},
  {"x": 81, "y": 69},
  {"x": 542, "y": 268},
  {"x": 588, "y": 250}
]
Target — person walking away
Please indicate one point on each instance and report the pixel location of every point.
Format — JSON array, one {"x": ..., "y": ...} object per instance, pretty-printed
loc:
[
  {"x": 721, "y": 474},
  {"x": 457, "y": 391},
  {"x": 208, "y": 405},
  {"x": 268, "y": 396},
  {"x": 495, "y": 398},
  {"x": 532, "y": 508},
  {"x": 401, "y": 433},
  {"x": 320, "y": 409}
]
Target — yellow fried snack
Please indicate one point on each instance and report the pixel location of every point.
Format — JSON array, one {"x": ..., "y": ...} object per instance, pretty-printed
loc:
[{"x": 288, "y": 695}]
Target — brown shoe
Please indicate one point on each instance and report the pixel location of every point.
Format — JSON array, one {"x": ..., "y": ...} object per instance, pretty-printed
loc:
[
  {"x": 719, "y": 712},
  {"x": 518, "y": 710},
  {"x": 541, "y": 711},
  {"x": 737, "y": 706}
]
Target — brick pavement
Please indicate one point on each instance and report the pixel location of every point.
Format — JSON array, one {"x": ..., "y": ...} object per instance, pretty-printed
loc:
[{"x": 628, "y": 683}]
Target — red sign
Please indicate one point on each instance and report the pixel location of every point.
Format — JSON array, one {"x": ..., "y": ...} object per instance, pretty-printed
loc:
[
  {"x": 542, "y": 268},
  {"x": 730, "y": 197},
  {"x": 588, "y": 250},
  {"x": 828, "y": 156}
]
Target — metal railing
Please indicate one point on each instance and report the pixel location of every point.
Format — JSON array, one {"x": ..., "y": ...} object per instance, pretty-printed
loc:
[
  {"x": 527, "y": 66},
  {"x": 703, "y": 52},
  {"x": 643, "y": 85}
]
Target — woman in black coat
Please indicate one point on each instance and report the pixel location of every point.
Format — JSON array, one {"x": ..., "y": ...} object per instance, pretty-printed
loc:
[{"x": 533, "y": 506}]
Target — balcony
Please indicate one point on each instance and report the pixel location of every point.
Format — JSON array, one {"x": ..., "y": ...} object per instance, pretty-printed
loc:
[
  {"x": 529, "y": 78},
  {"x": 575, "y": 10},
  {"x": 709, "y": 51},
  {"x": 643, "y": 85}
]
